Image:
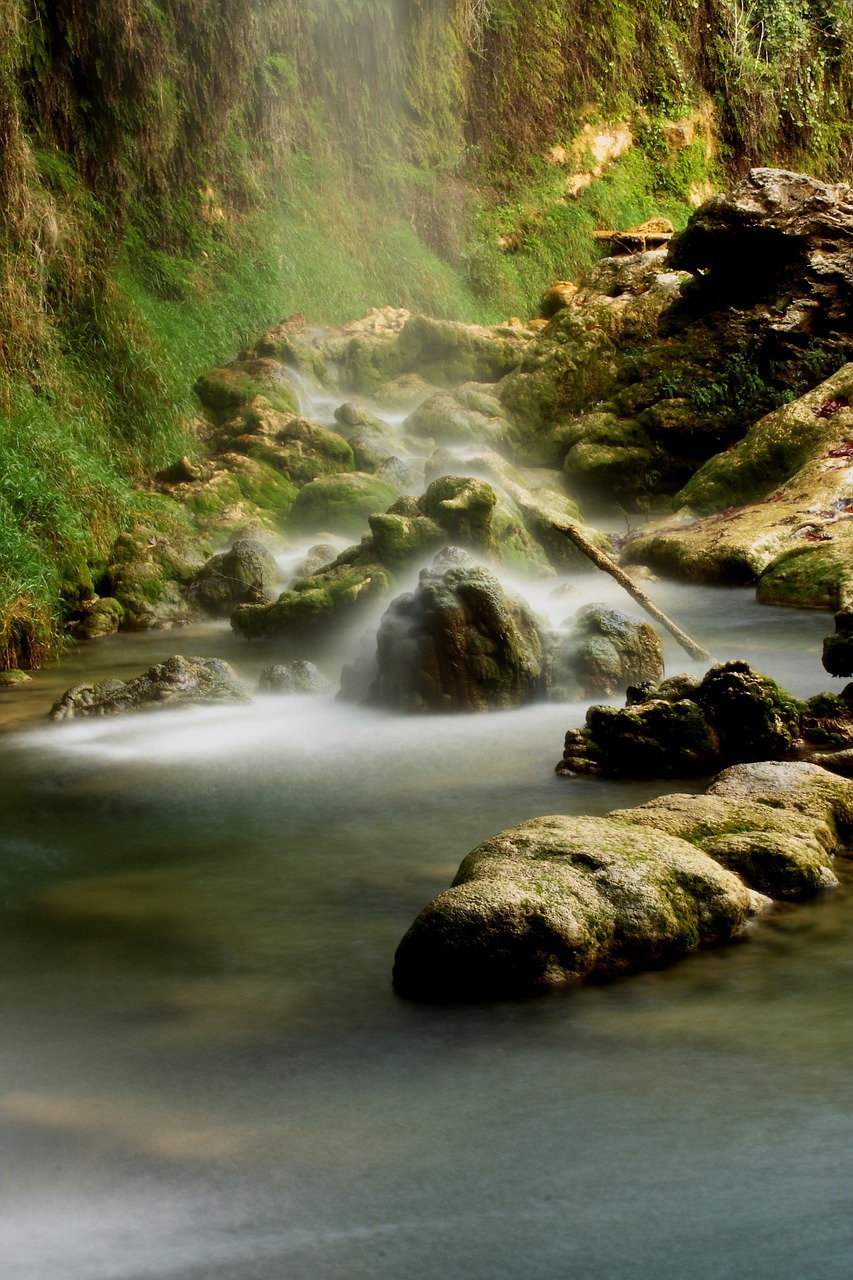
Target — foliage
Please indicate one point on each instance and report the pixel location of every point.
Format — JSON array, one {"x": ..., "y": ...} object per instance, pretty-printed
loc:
[{"x": 177, "y": 176}]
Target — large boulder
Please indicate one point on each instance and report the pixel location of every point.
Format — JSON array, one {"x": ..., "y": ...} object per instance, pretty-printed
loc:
[
  {"x": 458, "y": 643},
  {"x": 777, "y": 507},
  {"x": 557, "y": 899},
  {"x": 178, "y": 681}
]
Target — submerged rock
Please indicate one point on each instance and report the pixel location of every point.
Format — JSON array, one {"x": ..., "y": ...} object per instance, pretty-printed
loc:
[
  {"x": 175, "y": 682},
  {"x": 458, "y": 643},
  {"x": 557, "y": 899}
]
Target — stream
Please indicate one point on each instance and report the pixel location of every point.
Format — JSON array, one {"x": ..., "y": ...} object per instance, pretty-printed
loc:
[{"x": 206, "y": 1073}]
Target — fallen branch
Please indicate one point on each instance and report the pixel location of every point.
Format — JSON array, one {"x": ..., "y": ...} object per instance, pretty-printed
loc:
[{"x": 598, "y": 557}]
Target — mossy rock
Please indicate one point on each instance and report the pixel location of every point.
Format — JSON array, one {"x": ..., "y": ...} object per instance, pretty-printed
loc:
[
  {"x": 178, "y": 681},
  {"x": 297, "y": 676},
  {"x": 558, "y": 899},
  {"x": 263, "y": 486},
  {"x": 616, "y": 469},
  {"x": 778, "y": 852},
  {"x": 399, "y": 540},
  {"x": 464, "y": 508},
  {"x": 102, "y": 616},
  {"x": 237, "y": 384},
  {"x": 317, "y": 603},
  {"x": 816, "y": 577},
  {"x": 14, "y": 679},
  {"x": 459, "y": 642},
  {"x": 775, "y": 449},
  {"x": 243, "y": 573},
  {"x": 152, "y": 566},
  {"x": 340, "y": 503},
  {"x": 468, "y": 413},
  {"x": 605, "y": 651},
  {"x": 837, "y": 654},
  {"x": 302, "y": 450},
  {"x": 447, "y": 353}
]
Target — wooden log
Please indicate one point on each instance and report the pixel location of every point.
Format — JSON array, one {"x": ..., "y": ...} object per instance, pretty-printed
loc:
[{"x": 603, "y": 561}]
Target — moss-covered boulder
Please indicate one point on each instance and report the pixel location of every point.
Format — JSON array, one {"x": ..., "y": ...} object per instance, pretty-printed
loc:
[
  {"x": 779, "y": 852},
  {"x": 340, "y": 503},
  {"x": 686, "y": 727},
  {"x": 780, "y": 501},
  {"x": 333, "y": 595},
  {"x": 233, "y": 386},
  {"x": 301, "y": 450},
  {"x": 463, "y": 507},
  {"x": 101, "y": 616},
  {"x": 178, "y": 681},
  {"x": 400, "y": 539},
  {"x": 458, "y": 643},
  {"x": 244, "y": 573},
  {"x": 603, "y": 651},
  {"x": 447, "y": 353},
  {"x": 557, "y": 899}
]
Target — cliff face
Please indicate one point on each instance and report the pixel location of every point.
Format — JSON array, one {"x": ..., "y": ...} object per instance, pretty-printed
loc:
[{"x": 177, "y": 174}]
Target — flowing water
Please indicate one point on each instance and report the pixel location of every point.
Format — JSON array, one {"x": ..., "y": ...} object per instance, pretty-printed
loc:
[{"x": 204, "y": 1072}]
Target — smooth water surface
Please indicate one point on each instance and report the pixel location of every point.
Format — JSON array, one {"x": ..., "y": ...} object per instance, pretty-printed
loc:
[{"x": 205, "y": 1074}]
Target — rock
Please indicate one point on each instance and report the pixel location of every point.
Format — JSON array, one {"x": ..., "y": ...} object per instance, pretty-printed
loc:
[
  {"x": 14, "y": 678},
  {"x": 471, "y": 412},
  {"x": 325, "y": 599},
  {"x": 458, "y": 643},
  {"x": 558, "y": 899},
  {"x": 734, "y": 714},
  {"x": 102, "y": 616},
  {"x": 837, "y": 656},
  {"x": 319, "y": 557},
  {"x": 184, "y": 471},
  {"x": 176, "y": 682},
  {"x": 244, "y": 573},
  {"x": 780, "y": 239},
  {"x": 781, "y": 503},
  {"x": 778, "y": 852},
  {"x": 463, "y": 507},
  {"x": 603, "y": 652},
  {"x": 297, "y": 676},
  {"x": 152, "y": 565},
  {"x": 340, "y": 503},
  {"x": 236, "y": 384}
]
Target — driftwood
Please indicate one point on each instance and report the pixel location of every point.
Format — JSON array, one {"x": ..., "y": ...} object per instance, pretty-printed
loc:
[
  {"x": 652, "y": 234},
  {"x": 598, "y": 557}
]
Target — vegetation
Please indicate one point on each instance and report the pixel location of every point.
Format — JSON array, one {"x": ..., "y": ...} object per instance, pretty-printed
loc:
[{"x": 175, "y": 178}]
